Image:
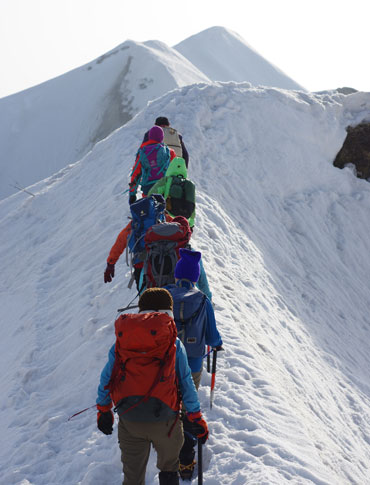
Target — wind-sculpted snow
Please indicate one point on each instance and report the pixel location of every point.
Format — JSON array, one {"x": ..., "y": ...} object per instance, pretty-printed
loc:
[{"x": 284, "y": 237}]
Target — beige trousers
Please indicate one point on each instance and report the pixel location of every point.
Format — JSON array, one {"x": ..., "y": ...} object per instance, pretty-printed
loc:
[
  {"x": 196, "y": 378},
  {"x": 135, "y": 439}
]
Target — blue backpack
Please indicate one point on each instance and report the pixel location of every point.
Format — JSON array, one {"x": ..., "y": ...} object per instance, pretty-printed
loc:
[
  {"x": 189, "y": 310},
  {"x": 145, "y": 213}
]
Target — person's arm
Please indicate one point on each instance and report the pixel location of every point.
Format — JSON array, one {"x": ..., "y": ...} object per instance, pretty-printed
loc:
[
  {"x": 186, "y": 383},
  {"x": 135, "y": 176},
  {"x": 104, "y": 398},
  {"x": 213, "y": 337},
  {"x": 172, "y": 154},
  {"x": 146, "y": 137},
  {"x": 185, "y": 154},
  {"x": 203, "y": 281},
  {"x": 120, "y": 245}
]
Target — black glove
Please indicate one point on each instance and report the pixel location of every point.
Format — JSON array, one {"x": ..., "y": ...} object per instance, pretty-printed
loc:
[
  {"x": 199, "y": 426},
  {"x": 132, "y": 199},
  {"x": 105, "y": 421},
  {"x": 219, "y": 348},
  {"x": 109, "y": 273}
]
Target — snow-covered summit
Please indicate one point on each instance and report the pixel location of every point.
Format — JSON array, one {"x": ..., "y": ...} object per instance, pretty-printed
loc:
[
  {"x": 49, "y": 126},
  {"x": 223, "y": 55},
  {"x": 284, "y": 238}
]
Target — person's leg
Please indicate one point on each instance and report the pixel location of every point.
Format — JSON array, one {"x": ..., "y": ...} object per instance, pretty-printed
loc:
[
  {"x": 135, "y": 449},
  {"x": 187, "y": 452},
  {"x": 145, "y": 188},
  {"x": 196, "y": 378},
  {"x": 168, "y": 478},
  {"x": 168, "y": 442}
]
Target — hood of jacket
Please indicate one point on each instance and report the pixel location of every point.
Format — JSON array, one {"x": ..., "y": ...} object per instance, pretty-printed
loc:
[{"x": 177, "y": 167}]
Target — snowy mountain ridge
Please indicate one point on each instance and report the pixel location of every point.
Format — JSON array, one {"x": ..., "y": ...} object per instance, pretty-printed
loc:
[
  {"x": 284, "y": 237},
  {"x": 49, "y": 126}
]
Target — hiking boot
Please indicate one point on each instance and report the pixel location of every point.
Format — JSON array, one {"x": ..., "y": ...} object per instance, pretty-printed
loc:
[
  {"x": 187, "y": 454},
  {"x": 168, "y": 478},
  {"x": 186, "y": 471}
]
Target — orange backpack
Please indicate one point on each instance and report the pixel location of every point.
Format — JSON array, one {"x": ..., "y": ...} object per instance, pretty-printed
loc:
[{"x": 143, "y": 385}]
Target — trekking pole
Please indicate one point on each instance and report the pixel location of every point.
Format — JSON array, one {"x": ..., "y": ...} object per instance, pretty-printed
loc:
[
  {"x": 208, "y": 359},
  {"x": 22, "y": 189},
  {"x": 120, "y": 310},
  {"x": 80, "y": 412},
  {"x": 128, "y": 307},
  {"x": 213, "y": 380},
  {"x": 200, "y": 463}
]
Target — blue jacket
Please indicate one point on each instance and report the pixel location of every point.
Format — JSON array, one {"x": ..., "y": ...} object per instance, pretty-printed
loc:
[
  {"x": 186, "y": 384},
  {"x": 213, "y": 337},
  {"x": 203, "y": 281}
]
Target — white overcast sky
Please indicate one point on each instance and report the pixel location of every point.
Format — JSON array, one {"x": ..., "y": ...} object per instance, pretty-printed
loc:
[{"x": 321, "y": 44}]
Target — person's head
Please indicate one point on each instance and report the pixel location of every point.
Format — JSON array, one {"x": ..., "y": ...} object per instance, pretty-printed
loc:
[
  {"x": 156, "y": 133},
  {"x": 155, "y": 299},
  {"x": 188, "y": 267},
  {"x": 162, "y": 121}
]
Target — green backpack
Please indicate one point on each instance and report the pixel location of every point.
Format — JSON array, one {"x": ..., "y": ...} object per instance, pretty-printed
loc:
[{"x": 181, "y": 197}]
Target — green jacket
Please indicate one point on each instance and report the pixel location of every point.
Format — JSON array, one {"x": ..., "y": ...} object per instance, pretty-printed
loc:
[{"x": 176, "y": 167}]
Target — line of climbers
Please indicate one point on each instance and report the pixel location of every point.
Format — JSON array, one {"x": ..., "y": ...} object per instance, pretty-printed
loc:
[{"x": 154, "y": 368}]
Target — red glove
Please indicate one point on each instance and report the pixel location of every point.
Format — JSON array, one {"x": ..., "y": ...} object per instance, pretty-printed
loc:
[
  {"x": 109, "y": 273},
  {"x": 199, "y": 426},
  {"x": 105, "y": 419}
]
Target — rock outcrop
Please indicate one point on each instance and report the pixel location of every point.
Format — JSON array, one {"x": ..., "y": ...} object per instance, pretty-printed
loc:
[{"x": 356, "y": 150}]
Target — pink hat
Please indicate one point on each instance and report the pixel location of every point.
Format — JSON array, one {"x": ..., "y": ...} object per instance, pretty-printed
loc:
[{"x": 156, "y": 133}]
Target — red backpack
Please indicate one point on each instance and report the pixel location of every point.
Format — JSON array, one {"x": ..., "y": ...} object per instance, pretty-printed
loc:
[
  {"x": 143, "y": 385},
  {"x": 162, "y": 243}
]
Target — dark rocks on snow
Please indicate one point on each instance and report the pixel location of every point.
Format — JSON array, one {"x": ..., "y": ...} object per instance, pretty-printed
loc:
[
  {"x": 356, "y": 150},
  {"x": 346, "y": 90}
]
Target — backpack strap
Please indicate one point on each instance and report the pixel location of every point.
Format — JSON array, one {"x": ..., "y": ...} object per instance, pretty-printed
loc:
[
  {"x": 164, "y": 159},
  {"x": 141, "y": 280}
]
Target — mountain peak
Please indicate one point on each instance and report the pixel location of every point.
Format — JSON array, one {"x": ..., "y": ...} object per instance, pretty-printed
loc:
[{"x": 223, "y": 55}]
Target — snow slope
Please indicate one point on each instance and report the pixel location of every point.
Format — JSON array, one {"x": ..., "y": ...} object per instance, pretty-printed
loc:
[
  {"x": 284, "y": 237},
  {"x": 223, "y": 55},
  {"x": 49, "y": 126}
]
